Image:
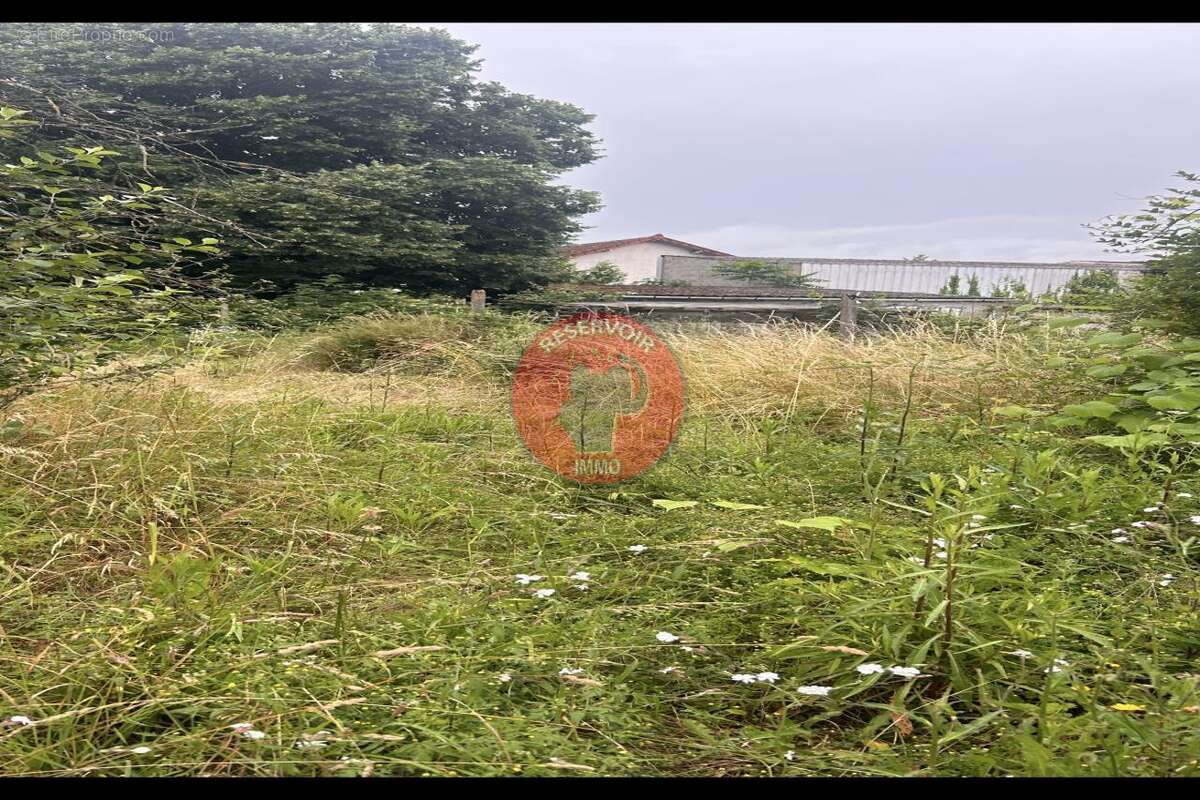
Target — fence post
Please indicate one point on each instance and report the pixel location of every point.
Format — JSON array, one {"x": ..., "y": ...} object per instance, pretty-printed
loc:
[
  {"x": 848, "y": 316},
  {"x": 478, "y": 300}
]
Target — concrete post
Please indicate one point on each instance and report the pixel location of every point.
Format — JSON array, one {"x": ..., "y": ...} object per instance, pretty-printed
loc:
[{"x": 848, "y": 316}]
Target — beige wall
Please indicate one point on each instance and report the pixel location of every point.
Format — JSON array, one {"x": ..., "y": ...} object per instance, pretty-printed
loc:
[{"x": 639, "y": 261}]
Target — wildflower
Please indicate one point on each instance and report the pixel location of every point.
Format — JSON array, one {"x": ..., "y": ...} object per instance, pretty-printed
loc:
[
  {"x": 767, "y": 677},
  {"x": 1194, "y": 519},
  {"x": 311, "y": 744},
  {"x": 583, "y": 587},
  {"x": 663, "y": 636},
  {"x": 1166, "y": 580},
  {"x": 1020, "y": 653},
  {"x": 140, "y": 750},
  {"x": 905, "y": 672},
  {"x": 247, "y": 731},
  {"x": 1057, "y": 666},
  {"x": 504, "y": 677},
  {"x": 668, "y": 670},
  {"x": 581, "y": 576},
  {"x": 1126, "y": 707},
  {"x": 20, "y": 719},
  {"x": 1120, "y": 539},
  {"x": 636, "y": 548},
  {"x": 525, "y": 580},
  {"x": 940, "y": 554},
  {"x": 742, "y": 677},
  {"x": 570, "y": 671},
  {"x": 938, "y": 542},
  {"x": 1139, "y": 524},
  {"x": 1150, "y": 509},
  {"x": 544, "y": 594},
  {"x": 790, "y": 755},
  {"x": 869, "y": 669},
  {"x": 1118, "y": 530},
  {"x": 815, "y": 691}
]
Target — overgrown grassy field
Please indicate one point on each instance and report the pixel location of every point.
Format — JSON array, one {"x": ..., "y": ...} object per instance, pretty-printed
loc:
[{"x": 329, "y": 554}]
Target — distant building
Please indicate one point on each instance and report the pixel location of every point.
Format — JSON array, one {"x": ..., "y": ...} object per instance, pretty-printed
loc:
[
  {"x": 993, "y": 278},
  {"x": 637, "y": 258}
]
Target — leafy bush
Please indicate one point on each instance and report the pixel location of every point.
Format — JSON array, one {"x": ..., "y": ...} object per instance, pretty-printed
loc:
[{"x": 79, "y": 285}]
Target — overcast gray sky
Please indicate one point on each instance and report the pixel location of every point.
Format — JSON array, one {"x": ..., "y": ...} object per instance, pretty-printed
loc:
[{"x": 959, "y": 141}]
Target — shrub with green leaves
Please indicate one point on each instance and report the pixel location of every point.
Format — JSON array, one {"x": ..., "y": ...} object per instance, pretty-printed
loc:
[{"x": 79, "y": 284}]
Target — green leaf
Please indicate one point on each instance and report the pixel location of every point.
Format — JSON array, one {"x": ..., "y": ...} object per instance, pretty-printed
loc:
[
  {"x": 1056, "y": 323},
  {"x": 1186, "y": 400},
  {"x": 1014, "y": 411},
  {"x": 1091, "y": 409},
  {"x": 731, "y": 505},
  {"x": 830, "y": 524},
  {"x": 822, "y": 567},
  {"x": 1107, "y": 370},
  {"x": 673, "y": 504},
  {"x": 1113, "y": 339},
  {"x": 1132, "y": 441}
]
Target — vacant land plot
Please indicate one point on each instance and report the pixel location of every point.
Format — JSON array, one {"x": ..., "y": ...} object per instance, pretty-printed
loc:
[{"x": 330, "y": 554}]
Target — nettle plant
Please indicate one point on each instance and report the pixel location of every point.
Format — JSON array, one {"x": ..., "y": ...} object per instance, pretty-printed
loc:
[
  {"x": 80, "y": 281},
  {"x": 1154, "y": 394}
]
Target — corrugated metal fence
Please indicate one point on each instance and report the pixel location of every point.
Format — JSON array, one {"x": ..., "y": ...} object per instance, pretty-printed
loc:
[{"x": 902, "y": 277}]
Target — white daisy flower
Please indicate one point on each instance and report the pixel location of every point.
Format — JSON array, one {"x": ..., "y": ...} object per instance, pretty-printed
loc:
[
  {"x": 504, "y": 677},
  {"x": 1020, "y": 653},
  {"x": 767, "y": 677},
  {"x": 663, "y": 636},
  {"x": 310, "y": 744},
  {"x": 869, "y": 669},
  {"x": 1166, "y": 580},
  {"x": 742, "y": 677},
  {"x": 815, "y": 691},
  {"x": 1118, "y": 530},
  {"x": 581, "y": 576},
  {"x": 937, "y": 542},
  {"x": 1120, "y": 539},
  {"x": 905, "y": 672},
  {"x": 636, "y": 548},
  {"x": 1139, "y": 524},
  {"x": 525, "y": 580},
  {"x": 583, "y": 587},
  {"x": 20, "y": 719},
  {"x": 1150, "y": 509},
  {"x": 790, "y": 755},
  {"x": 543, "y": 594},
  {"x": 1057, "y": 666},
  {"x": 570, "y": 671}
]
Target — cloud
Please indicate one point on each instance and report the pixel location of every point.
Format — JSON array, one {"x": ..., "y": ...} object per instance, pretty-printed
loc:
[{"x": 1008, "y": 237}]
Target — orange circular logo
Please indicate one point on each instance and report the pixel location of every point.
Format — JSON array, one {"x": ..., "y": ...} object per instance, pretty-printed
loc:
[{"x": 598, "y": 397}]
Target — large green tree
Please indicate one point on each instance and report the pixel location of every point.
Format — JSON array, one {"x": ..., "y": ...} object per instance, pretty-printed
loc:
[{"x": 368, "y": 151}]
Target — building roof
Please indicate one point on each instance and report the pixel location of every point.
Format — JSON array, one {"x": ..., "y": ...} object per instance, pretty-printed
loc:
[{"x": 613, "y": 244}]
